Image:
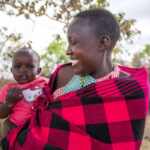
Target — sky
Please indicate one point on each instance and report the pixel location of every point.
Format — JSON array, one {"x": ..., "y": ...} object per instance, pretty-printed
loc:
[
  {"x": 38, "y": 30},
  {"x": 41, "y": 30},
  {"x": 139, "y": 10}
]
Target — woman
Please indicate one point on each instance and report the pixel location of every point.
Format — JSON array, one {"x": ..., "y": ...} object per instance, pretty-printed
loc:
[{"x": 95, "y": 106}]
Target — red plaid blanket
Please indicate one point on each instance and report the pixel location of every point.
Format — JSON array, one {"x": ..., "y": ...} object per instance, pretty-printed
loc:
[{"x": 108, "y": 115}]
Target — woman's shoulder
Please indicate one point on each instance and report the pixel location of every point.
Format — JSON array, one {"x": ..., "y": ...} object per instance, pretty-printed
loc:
[
  {"x": 133, "y": 71},
  {"x": 64, "y": 75},
  {"x": 60, "y": 76}
]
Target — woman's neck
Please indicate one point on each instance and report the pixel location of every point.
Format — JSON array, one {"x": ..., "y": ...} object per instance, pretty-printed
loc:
[
  {"x": 104, "y": 68},
  {"x": 103, "y": 71}
]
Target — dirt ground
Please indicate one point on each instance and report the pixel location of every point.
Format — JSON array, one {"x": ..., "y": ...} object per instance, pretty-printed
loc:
[{"x": 146, "y": 140}]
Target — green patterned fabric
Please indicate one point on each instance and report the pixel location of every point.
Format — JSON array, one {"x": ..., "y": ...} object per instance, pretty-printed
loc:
[{"x": 78, "y": 82}]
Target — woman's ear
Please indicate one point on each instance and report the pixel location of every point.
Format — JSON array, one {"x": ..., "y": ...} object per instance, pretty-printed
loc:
[{"x": 105, "y": 42}]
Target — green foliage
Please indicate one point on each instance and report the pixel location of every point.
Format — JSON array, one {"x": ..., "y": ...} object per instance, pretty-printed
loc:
[
  {"x": 59, "y": 10},
  {"x": 55, "y": 54},
  {"x": 3, "y": 82},
  {"x": 102, "y": 3},
  {"x": 63, "y": 10},
  {"x": 126, "y": 27},
  {"x": 142, "y": 57}
]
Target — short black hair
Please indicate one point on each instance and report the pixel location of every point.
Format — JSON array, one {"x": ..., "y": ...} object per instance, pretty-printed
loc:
[
  {"x": 103, "y": 21},
  {"x": 30, "y": 51}
]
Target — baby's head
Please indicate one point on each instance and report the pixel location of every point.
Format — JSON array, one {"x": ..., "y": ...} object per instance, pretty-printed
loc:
[
  {"x": 92, "y": 35},
  {"x": 25, "y": 65}
]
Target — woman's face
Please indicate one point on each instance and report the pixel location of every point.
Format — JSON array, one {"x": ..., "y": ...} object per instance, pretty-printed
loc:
[{"x": 84, "y": 49}]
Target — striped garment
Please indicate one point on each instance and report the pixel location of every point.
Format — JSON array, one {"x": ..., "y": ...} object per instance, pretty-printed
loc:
[{"x": 106, "y": 115}]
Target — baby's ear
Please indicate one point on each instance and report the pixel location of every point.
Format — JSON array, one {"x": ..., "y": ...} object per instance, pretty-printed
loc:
[
  {"x": 11, "y": 69},
  {"x": 39, "y": 70}
]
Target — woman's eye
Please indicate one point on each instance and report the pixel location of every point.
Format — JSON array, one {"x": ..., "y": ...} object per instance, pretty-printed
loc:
[
  {"x": 74, "y": 42},
  {"x": 16, "y": 66}
]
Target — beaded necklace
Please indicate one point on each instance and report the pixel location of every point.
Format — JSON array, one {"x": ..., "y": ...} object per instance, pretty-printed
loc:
[{"x": 78, "y": 82}]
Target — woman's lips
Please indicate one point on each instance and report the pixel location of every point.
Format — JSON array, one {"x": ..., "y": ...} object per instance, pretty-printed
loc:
[{"x": 74, "y": 62}]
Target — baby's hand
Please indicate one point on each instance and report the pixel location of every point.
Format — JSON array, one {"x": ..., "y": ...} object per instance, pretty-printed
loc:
[{"x": 13, "y": 96}]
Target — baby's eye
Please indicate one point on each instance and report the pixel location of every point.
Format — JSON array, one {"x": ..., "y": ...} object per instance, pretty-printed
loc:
[{"x": 30, "y": 66}]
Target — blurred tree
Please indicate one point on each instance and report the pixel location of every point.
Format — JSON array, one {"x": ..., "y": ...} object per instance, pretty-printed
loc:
[
  {"x": 8, "y": 44},
  {"x": 6, "y": 38},
  {"x": 55, "y": 54},
  {"x": 142, "y": 57},
  {"x": 62, "y": 11}
]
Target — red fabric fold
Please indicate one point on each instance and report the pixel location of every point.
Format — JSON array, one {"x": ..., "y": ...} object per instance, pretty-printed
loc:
[{"x": 108, "y": 115}]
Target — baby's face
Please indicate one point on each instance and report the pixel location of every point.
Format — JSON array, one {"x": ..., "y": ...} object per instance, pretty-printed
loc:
[{"x": 24, "y": 68}]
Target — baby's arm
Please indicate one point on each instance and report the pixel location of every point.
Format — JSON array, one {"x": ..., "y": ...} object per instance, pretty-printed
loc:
[
  {"x": 13, "y": 96},
  {"x": 4, "y": 110},
  {"x": 6, "y": 127}
]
